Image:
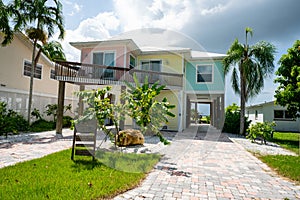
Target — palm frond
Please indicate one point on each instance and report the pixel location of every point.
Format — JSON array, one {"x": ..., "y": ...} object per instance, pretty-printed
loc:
[{"x": 235, "y": 81}]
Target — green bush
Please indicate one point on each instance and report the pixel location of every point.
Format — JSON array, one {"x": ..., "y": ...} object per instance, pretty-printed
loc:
[
  {"x": 67, "y": 121},
  {"x": 263, "y": 131},
  {"x": 42, "y": 125},
  {"x": 11, "y": 121},
  {"x": 232, "y": 120}
]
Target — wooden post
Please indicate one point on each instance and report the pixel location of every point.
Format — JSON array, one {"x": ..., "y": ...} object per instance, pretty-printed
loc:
[
  {"x": 122, "y": 122},
  {"x": 60, "y": 107},
  {"x": 80, "y": 102}
]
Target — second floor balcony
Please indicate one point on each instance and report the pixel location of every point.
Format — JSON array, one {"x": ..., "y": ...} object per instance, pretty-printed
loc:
[{"x": 90, "y": 74}]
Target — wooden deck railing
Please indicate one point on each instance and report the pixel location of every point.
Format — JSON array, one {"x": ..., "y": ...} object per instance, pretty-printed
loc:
[{"x": 82, "y": 73}]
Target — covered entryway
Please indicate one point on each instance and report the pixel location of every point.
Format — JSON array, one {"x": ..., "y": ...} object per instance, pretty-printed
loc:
[{"x": 215, "y": 102}]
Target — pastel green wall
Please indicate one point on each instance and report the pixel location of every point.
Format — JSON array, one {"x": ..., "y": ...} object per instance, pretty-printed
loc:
[{"x": 218, "y": 83}]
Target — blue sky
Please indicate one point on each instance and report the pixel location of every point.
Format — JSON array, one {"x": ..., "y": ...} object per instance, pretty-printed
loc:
[{"x": 212, "y": 24}]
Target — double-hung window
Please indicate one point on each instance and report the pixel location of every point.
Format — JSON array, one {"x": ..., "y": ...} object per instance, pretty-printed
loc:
[
  {"x": 107, "y": 59},
  {"x": 282, "y": 115},
  {"x": 37, "y": 71},
  {"x": 132, "y": 62},
  {"x": 151, "y": 65},
  {"x": 204, "y": 73},
  {"x": 52, "y": 74}
]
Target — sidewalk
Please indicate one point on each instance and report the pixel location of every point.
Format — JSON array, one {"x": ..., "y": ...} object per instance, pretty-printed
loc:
[
  {"x": 210, "y": 169},
  {"x": 30, "y": 146}
]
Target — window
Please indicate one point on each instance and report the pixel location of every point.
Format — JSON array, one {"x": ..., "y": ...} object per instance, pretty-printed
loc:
[
  {"x": 104, "y": 58},
  {"x": 132, "y": 62},
  {"x": 282, "y": 115},
  {"x": 52, "y": 74},
  {"x": 151, "y": 65},
  {"x": 37, "y": 70},
  {"x": 204, "y": 73},
  {"x": 256, "y": 114}
]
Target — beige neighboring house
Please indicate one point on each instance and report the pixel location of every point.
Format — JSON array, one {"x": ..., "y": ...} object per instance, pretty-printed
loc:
[
  {"x": 15, "y": 73},
  {"x": 270, "y": 112}
]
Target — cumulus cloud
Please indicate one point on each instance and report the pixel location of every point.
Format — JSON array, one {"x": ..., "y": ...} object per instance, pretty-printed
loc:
[{"x": 91, "y": 29}]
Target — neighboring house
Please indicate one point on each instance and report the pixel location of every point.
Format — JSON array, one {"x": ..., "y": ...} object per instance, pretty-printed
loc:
[
  {"x": 270, "y": 112},
  {"x": 189, "y": 76},
  {"x": 15, "y": 73}
]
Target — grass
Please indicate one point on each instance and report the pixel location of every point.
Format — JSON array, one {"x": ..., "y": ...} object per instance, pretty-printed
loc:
[
  {"x": 287, "y": 140},
  {"x": 57, "y": 177},
  {"x": 287, "y": 166}
]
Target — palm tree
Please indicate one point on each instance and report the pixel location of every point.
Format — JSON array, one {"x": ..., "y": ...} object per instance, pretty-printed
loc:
[
  {"x": 251, "y": 64},
  {"x": 38, "y": 18},
  {"x": 54, "y": 51}
]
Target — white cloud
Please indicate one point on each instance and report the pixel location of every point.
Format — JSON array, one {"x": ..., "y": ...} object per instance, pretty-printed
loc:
[
  {"x": 91, "y": 29},
  {"x": 134, "y": 14}
]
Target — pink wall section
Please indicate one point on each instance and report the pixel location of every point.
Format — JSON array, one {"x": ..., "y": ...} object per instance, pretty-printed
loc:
[{"x": 86, "y": 54}]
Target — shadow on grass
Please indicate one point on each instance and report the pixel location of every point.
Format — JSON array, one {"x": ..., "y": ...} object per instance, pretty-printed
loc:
[
  {"x": 290, "y": 144},
  {"x": 128, "y": 162},
  {"x": 85, "y": 164}
]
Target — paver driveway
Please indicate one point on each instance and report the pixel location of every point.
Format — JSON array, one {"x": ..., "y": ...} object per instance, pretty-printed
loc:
[{"x": 213, "y": 168}]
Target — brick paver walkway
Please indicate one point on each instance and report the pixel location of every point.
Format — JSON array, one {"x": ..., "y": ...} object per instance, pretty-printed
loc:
[
  {"x": 34, "y": 146},
  {"x": 211, "y": 169}
]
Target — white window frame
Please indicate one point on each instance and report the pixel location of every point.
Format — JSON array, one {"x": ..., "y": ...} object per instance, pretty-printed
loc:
[
  {"x": 131, "y": 67},
  {"x": 154, "y": 77},
  {"x": 105, "y": 52},
  {"x": 28, "y": 75},
  {"x": 284, "y": 118},
  {"x": 212, "y": 73},
  {"x": 51, "y": 70}
]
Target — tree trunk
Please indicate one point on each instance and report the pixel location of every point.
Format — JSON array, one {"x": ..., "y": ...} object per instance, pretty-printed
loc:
[
  {"x": 31, "y": 81},
  {"x": 243, "y": 101}
]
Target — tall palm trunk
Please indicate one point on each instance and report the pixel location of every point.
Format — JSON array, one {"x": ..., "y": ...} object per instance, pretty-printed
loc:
[
  {"x": 243, "y": 100},
  {"x": 31, "y": 80}
]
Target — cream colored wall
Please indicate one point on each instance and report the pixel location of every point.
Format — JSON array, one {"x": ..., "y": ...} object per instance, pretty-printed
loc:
[
  {"x": 15, "y": 86},
  {"x": 171, "y": 62},
  {"x": 12, "y": 61}
]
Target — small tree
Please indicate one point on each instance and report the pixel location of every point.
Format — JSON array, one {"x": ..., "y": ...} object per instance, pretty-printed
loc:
[
  {"x": 148, "y": 112},
  {"x": 51, "y": 109},
  {"x": 288, "y": 91},
  {"x": 101, "y": 108},
  {"x": 263, "y": 131},
  {"x": 232, "y": 119}
]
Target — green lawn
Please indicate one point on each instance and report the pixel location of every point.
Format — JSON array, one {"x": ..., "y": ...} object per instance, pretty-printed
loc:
[
  {"x": 287, "y": 140},
  {"x": 57, "y": 177},
  {"x": 287, "y": 166}
]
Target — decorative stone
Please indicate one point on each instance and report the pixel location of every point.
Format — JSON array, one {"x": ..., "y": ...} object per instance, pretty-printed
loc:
[{"x": 130, "y": 137}]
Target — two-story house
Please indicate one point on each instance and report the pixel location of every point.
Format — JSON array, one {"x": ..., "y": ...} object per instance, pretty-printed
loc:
[
  {"x": 190, "y": 76},
  {"x": 15, "y": 73}
]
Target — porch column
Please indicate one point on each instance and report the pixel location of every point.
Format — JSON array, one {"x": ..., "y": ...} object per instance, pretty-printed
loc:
[
  {"x": 188, "y": 112},
  {"x": 211, "y": 113},
  {"x": 196, "y": 109},
  {"x": 122, "y": 122},
  {"x": 215, "y": 113},
  {"x": 218, "y": 116},
  {"x": 60, "y": 107},
  {"x": 222, "y": 111},
  {"x": 80, "y": 102}
]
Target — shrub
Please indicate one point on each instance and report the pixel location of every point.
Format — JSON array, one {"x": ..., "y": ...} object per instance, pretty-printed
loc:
[
  {"x": 263, "y": 131},
  {"x": 11, "y": 121},
  {"x": 67, "y": 121},
  {"x": 232, "y": 120},
  {"x": 42, "y": 125}
]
